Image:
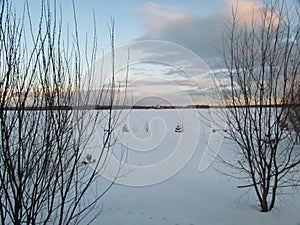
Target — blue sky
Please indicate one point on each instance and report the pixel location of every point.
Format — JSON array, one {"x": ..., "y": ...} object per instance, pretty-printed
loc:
[{"x": 192, "y": 28}]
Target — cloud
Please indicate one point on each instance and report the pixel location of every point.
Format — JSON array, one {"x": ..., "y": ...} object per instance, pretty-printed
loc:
[
  {"x": 162, "y": 83},
  {"x": 175, "y": 72},
  {"x": 157, "y": 17},
  {"x": 201, "y": 35},
  {"x": 187, "y": 83},
  {"x": 247, "y": 11},
  {"x": 251, "y": 13},
  {"x": 148, "y": 82}
]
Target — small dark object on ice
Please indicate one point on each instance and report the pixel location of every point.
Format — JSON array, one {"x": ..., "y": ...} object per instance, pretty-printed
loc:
[{"x": 178, "y": 129}]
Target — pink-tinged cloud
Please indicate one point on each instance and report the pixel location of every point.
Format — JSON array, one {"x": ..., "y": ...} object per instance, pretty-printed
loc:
[
  {"x": 186, "y": 82},
  {"x": 157, "y": 17},
  {"x": 251, "y": 13},
  {"x": 247, "y": 11},
  {"x": 202, "y": 35},
  {"x": 160, "y": 18}
]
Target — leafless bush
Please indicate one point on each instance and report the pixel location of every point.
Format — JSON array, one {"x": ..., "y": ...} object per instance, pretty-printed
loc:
[
  {"x": 46, "y": 120},
  {"x": 262, "y": 74}
]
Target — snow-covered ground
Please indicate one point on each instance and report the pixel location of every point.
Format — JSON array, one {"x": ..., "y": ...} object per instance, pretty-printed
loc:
[{"x": 189, "y": 197}]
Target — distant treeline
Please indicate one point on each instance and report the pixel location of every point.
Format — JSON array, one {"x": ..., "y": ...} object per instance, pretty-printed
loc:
[{"x": 122, "y": 107}]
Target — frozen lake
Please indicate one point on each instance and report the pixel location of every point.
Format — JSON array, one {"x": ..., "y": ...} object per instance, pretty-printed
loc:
[{"x": 161, "y": 183}]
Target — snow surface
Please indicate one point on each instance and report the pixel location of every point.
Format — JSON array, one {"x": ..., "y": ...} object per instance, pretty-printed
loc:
[{"x": 189, "y": 197}]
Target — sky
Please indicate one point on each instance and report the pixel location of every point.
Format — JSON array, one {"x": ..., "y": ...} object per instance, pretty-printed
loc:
[
  {"x": 182, "y": 22},
  {"x": 176, "y": 26}
]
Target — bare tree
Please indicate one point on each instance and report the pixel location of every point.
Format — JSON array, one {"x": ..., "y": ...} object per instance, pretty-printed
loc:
[
  {"x": 46, "y": 122},
  {"x": 262, "y": 61}
]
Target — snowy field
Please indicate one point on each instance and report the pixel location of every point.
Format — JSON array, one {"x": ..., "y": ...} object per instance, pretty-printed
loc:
[{"x": 190, "y": 196}]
